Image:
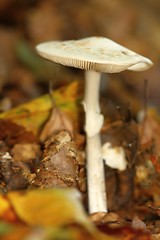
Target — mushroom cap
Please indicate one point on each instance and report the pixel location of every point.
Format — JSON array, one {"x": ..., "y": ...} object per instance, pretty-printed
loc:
[{"x": 93, "y": 53}]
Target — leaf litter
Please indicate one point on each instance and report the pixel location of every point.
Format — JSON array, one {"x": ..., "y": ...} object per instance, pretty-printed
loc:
[
  {"x": 57, "y": 163},
  {"x": 29, "y": 130}
]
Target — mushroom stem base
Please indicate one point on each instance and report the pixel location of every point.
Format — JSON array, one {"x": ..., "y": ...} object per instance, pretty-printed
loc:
[{"x": 96, "y": 177}]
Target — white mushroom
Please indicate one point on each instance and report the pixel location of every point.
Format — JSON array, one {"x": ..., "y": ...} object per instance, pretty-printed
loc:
[{"x": 95, "y": 55}]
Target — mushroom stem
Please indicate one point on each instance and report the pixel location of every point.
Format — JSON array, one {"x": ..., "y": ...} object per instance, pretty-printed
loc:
[{"x": 95, "y": 167}]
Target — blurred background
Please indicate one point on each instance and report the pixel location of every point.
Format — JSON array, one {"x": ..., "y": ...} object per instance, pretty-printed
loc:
[{"x": 25, "y": 23}]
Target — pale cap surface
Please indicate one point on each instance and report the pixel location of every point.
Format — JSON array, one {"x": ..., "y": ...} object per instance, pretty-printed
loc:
[{"x": 93, "y": 53}]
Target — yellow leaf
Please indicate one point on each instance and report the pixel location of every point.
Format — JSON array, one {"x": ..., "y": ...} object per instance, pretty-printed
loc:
[
  {"x": 46, "y": 233},
  {"x": 49, "y": 207},
  {"x": 51, "y": 214},
  {"x": 34, "y": 114},
  {"x": 4, "y": 205}
]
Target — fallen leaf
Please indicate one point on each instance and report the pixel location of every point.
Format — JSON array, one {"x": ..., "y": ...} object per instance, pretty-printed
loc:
[
  {"x": 12, "y": 133},
  {"x": 125, "y": 233},
  {"x": 55, "y": 214},
  {"x": 59, "y": 166},
  {"x": 15, "y": 175},
  {"x": 4, "y": 205},
  {"x": 58, "y": 120},
  {"x": 34, "y": 114},
  {"x": 6, "y": 212},
  {"x": 149, "y": 129},
  {"x": 49, "y": 207},
  {"x": 11, "y": 232},
  {"x": 138, "y": 224},
  {"x": 26, "y": 152}
]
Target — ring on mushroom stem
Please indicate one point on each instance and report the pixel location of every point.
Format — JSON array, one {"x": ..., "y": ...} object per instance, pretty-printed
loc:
[{"x": 95, "y": 55}]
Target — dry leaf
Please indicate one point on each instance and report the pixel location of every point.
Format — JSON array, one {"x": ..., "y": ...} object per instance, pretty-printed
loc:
[
  {"x": 149, "y": 129},
  {"x": 12, "y": 133},
  {"x": 54, "y": 214},
  {"x": 59, "y": 167},
  {"x": 58, "y": 120},
  {"x": 72, "y": 232},
  {"x": 15, "y": 175},
  {"x": 26, "y": 152},
  {"x": 125, "y": 233},
  {"x": 34, "y": 114},
  {"x": 49, "y": 207},
  {"x": 138, "y": 224}
]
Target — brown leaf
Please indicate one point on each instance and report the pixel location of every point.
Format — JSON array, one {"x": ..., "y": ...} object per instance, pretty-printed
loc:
[
  {"x": 15, "y": 175},
  {"x": 125, "y": 233},
  {"x": 58, "y": 120},
  {"x": 59, "y": 167},
  {"x": 149, "y": 129},
  {"x": 138, "y": 224},
  {"x": 26, "y": 152},
  {"x": 12, "y": 133}
]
